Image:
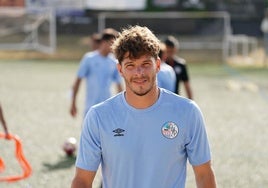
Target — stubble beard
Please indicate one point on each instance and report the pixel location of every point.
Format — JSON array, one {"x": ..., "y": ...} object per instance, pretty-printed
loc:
[{"x": 141, "y": 91}]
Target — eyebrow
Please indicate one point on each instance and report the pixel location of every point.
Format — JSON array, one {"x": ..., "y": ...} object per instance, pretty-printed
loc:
[
  {"x": 129, "y": 61},
  {"x": 147, "y": 60}
]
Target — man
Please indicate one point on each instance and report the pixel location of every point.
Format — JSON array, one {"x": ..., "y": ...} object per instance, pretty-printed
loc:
[
  {"x": 179, "y": 66},
  {"x": 144, "y": 135},
  {"x": 99, "y": 69},
  {"x": 166, "y": 77}
]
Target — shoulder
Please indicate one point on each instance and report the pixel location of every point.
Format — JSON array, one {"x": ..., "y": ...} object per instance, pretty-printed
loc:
[
  {"x": 165, "y": 67},
  {"x": 90, "y": 55},
  {"x": 112, "y": 58},
  {"x": 108, "y": 105},
  {"x": 177, "y": 100},
  {"x": 179, "y": 60},
  {"x": 186, "y": 108}
]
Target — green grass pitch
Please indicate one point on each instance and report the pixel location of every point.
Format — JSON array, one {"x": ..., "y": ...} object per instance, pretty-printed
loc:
[{"x": 35, "y": 99}]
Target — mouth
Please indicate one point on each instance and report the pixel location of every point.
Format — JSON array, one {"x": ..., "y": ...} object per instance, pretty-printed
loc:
[{"x": 139, "y": 81}]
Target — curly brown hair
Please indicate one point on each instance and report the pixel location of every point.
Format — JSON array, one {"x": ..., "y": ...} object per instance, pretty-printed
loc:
[{"x": 136, "y": 41}]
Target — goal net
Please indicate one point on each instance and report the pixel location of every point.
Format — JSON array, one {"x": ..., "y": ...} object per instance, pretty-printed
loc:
[
  {"x": 195, "y": 30},
  {"x": 244, "y": 51},
  {"x": 27, "y": 29}
]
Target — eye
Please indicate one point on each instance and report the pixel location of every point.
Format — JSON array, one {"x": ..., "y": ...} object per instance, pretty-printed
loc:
[
  {"x": 129, "y": 66},
  {"x": 146, "y": 64}
]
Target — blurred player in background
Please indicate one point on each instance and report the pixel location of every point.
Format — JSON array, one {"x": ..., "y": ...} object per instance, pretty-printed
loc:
[
  {"x": 3, "y": 122},
  {"x": 95, "y": 40},
  {"x": 179, "y": 66},
  {"x": 144, "y": 136},
  {"x": 98, "y": 68},
  {"x": 166, "y": 77}
]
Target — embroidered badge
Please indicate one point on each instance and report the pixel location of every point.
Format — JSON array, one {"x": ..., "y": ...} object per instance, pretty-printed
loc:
[{"x": 170, "y": 130}]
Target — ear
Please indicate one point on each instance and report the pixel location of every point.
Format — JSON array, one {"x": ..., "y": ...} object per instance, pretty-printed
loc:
[
  {"x": 158, "y": 64},
  {"x": 119, "y": 68}
]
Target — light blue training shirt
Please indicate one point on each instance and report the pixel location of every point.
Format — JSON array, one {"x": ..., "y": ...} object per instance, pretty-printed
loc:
[
  {"x": 166, "y": 77},
  {"x": 99, "y": 72},
  {"x": 143, "y": 148}
]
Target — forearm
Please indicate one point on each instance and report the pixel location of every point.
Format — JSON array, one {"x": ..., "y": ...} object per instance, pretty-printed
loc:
[
  {"x": 207, "y": 181},
  {"x": 75, "y": 89},
  {"x": 188, "y": 90},
  {"x": 83, "y": 178},
  {"x": 2, "y": 120},
  {"x": 5, "y": 127},
  {"x": 80, "y": 184},
  {"x": 189, "y": 94},
  {"x": 204, "y": 176}
]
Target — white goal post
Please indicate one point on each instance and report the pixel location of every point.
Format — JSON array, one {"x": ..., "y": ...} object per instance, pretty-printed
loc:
[
  {"x": 27, "y": 29},
  {"x": 184, "y": 25}
]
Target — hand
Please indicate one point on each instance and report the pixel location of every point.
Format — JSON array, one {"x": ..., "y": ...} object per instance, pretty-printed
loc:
[{"x": 73, "y": 111}]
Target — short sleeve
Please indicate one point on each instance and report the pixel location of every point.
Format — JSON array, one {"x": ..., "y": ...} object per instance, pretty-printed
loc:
[
  {"x": 83, "y": 69},
  {"x": 89, "y": 153},
  {"x": 198, "y": 150},
  {"x": 184, "y": 73}
]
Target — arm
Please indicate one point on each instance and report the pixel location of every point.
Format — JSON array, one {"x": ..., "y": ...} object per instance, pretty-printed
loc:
[
  {"x": 83, "y": 178},
  {"x": 2, "y": 119},
  {"x": 204, "y": 176},
  {"x": 188, "y": 89},
  {"x": 73, "y": 110}
]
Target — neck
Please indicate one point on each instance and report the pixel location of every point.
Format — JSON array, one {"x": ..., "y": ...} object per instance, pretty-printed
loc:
[
  {"x": 103, "y": 53},
  {"x": 170, "y": 62},
  {"x": 144, "y": 101},
  {"x": 103, "y": 50}
]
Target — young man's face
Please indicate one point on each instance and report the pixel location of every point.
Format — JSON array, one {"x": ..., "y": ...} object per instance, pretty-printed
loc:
[{"x": 139, "y": 74}]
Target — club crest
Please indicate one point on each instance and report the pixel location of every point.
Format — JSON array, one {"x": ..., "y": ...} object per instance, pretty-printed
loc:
[{"x": 170, "y": 130}]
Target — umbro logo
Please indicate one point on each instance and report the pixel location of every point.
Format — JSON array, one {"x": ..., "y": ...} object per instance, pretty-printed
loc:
[{"x": 119, "y": 132}]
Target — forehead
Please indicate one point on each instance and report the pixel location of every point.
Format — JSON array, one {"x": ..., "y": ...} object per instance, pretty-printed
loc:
[
  {"x": 170, "y": 48},
  {"x": 146, "y": 57},
  {"x": 108, "y": 40}
]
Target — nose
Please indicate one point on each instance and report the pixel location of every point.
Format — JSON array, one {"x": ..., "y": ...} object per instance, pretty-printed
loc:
[{"x": 139, "y": 70}]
